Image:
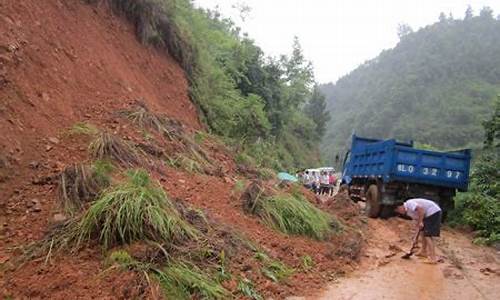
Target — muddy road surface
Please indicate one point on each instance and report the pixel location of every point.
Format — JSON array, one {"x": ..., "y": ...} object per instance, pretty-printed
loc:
[{"x": 468, "y": 271}]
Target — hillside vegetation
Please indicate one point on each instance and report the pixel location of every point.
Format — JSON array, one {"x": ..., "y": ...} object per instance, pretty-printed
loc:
[
  {"x": 261, "y": 104},
  {"x": 435, "y": 87}
]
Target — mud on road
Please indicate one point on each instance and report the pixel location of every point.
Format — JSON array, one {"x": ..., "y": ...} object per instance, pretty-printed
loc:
[{"x": 468, "y": 271}]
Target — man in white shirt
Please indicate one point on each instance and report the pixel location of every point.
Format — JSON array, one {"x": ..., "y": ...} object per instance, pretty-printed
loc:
[{"x": 427, "y": 214}]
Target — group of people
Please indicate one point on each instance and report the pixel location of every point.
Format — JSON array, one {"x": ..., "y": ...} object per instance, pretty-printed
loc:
[{"x": 320, "y": 182}]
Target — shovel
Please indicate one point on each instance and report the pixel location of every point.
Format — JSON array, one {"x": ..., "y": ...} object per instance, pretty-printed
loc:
[{"x": 413, "y": 246}]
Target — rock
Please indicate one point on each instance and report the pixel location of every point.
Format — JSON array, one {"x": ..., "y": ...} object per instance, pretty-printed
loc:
[
  {"x": 182, "y": 181},
  {"x": 246, "y": 268},
  {"x": 48, "y": 148},
  {"x": 54, "y": 140},
  {"x": 45, "y": 97},
  {"x": 34, "y": 164},
  {"x": 58, "y": 218},
  {"x": 37, "y": 208}
]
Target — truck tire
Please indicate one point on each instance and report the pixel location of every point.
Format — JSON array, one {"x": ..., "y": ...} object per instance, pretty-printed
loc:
[
  {"x": 386, "y": 211},
  {"x": 372, "y": 207}
]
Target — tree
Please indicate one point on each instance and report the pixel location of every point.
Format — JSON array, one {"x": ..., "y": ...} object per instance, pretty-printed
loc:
[
  {"x": 469, "y": 13},
  {"x": 404, "y": 30},
  {"x": 434, "y": 87},
  {"x": 442, "y": 17},
  {"x": 492, "y": 128},
  {"x": 299, "y": 75},
  {"x": 316, "y": 111},
  {"x": 486, "y": 12}
]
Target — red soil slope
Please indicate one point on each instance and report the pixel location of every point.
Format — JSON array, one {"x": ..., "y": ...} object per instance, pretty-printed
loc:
[{"x": 63, "y": 62}]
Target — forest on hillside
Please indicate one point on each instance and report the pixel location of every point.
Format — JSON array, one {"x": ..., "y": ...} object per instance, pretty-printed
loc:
[
  {"x": 267, "y": 108},
  {"x": 435, "y": 87}
]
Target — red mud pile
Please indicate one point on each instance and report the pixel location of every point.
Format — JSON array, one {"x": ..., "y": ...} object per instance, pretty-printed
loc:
[{"x": 64, "y": 62}]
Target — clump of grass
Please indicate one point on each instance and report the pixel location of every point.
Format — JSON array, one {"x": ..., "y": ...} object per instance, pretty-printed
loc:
[
  {"x": 193, "y": 158},
  {"x": 266, "y": 174},
  {"x": 183, "y": 280},
  {"x": 83, "y": 128},
  {"x": 136, "y": 209},
  {"x": 273, "y": 269},
  {"x": 120, "y": 257},
  {"x": 108, "y": 146},
  {"x": 295, "y": 215},
  {"x": 247, "y": 289},
  {"x": 142, "y": 116},
  {"x": 79, "y": 183},
  {"x": 239, "y": 185},
  {"x": 307, "y": 262},
  {"x": 199, "y": 137},
  {"x": 186, "y": 163}
]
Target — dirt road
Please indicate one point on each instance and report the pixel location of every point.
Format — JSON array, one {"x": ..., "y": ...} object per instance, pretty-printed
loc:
[{"x": 468, "y": 271}]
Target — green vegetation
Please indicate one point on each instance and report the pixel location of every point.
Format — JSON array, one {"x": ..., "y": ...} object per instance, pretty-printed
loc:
[
  {"x": 273, "y": 269},
  {"x": 83, "y": 128},
  {"x": 79, "y": 183},
  {"x": 247, "y": 289},
  {"x": 436, "y": 86},
  {"x": 120, "y": 257},
  {"x": 242, "y": 94},
  {"x": 178, "y": 280},
  {"x": 480, "y": 206},
  {"x": 182, "y": 280},
  {"x": 108, "y": 146},
  {"x": 307, "y": 262},
  {"x": 186, "y": 163},
  {"x": 295, "y": 215},
  {"x": 136, "y": 209}
]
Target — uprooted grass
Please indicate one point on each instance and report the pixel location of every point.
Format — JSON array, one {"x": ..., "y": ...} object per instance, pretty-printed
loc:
[
  {"x": 273, "y": 269},
  {"x": 183, "y": 280},
  {"x": 247, "y": 289},
  {"x": 295, "y": 215},
  {"x": 83, "y": 128},
  {"x": 80, "y": 183},
  {"x": 178, "y": 279},
  {"x": 135, "y": 210},
  {"x": 191, "y": 157},
  {"x": 187, "y": 163},
  {"x": 108, "y": 146}
]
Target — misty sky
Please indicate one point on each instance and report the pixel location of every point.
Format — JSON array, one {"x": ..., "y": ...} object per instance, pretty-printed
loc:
[{"x": 337, "y": 35}]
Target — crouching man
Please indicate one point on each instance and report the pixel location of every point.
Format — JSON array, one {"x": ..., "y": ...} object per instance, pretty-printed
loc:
[{"x": 427, "y": 215}]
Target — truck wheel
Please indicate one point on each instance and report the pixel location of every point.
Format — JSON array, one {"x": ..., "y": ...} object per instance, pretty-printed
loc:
[
  {"x": 372, "y": 208},
  {"x": 386, "y": 211}
]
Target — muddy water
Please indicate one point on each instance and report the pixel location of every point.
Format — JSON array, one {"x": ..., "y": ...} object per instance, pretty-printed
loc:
[{"x": 468, "y": 271}]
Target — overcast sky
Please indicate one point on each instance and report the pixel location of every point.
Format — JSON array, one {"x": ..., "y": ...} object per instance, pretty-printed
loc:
[{"x": 337, "y": 35}]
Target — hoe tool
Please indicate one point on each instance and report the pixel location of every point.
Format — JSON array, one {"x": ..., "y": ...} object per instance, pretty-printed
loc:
[{"x": 413, "y": 246}]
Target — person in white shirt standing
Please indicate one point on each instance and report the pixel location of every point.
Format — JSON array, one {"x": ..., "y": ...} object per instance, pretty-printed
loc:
[{"x": 427, "y": 215}]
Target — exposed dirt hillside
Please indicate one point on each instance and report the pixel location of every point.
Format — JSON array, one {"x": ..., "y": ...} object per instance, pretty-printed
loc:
[{"x": 64, "y": 62}]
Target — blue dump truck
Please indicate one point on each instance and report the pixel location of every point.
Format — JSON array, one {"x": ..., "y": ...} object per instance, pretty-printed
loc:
[{"x": 385, "y": 173}]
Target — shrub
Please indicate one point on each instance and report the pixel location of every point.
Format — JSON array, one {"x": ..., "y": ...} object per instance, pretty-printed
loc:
[
  {"x": 479, "y": 207},
  {"x": 136, "y": 209}
]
